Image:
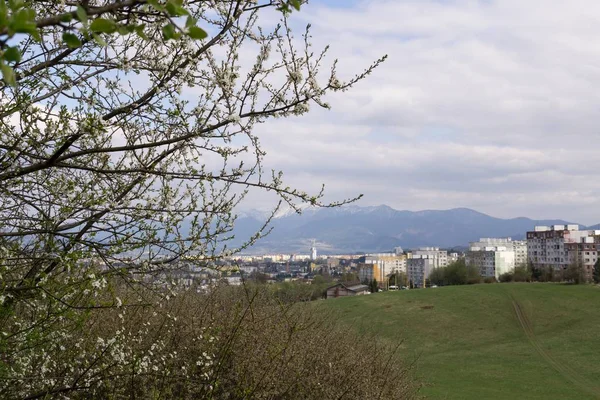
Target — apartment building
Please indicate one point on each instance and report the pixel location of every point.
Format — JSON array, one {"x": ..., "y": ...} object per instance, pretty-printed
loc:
[
  {"x": 440, "y": 257},
  {"x": 504, "y": 246},
  {"x": 492, "y": 261},
  {"x": 558, "y": 246},
  {"x": 381, "y": 265},
  {"x": 419, "y": 267},
  {"x": 584, "y": 253}
]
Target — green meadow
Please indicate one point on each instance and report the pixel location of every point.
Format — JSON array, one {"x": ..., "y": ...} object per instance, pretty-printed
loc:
[{"x": 495, "y": 341}]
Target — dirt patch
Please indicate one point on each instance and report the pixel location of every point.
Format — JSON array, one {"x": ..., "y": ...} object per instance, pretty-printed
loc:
[{"x": 428, "y": 307}]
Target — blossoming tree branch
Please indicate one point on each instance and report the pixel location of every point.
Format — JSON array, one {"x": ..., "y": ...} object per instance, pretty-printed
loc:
[{"x": 123, "y": 121}]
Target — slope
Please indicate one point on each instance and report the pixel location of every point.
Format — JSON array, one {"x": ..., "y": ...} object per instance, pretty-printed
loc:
[{"x": 534, "y": 341}]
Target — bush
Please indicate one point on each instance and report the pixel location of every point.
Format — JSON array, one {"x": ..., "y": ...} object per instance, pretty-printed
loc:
[
  {"x": 437, "y": 276},
  {"x": 575, "y": 273},
  {"x": 457, "y": 273},
  {"x": 473, "y": 275},
  {"x": 235, "y": 342},
  {"x": 292, "y": 292},
  {"x": 490, "y": 279},
  {"x": 522, "y": 274}
]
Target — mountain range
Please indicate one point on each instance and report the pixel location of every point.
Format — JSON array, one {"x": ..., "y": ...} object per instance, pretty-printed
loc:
[{"x": 354, "y": 229}]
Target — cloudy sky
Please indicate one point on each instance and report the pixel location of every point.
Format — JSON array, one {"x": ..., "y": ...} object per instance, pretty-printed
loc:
[{"x": 491, "y": 105}]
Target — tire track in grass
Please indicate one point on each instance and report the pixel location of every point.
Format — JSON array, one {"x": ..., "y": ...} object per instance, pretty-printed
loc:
[{"x": 560, "y": 367}]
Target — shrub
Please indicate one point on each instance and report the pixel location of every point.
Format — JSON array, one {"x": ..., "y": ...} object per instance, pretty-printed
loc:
[
  {"x": 507, "y": 277},
  {"x": 522, "y": 274},
  {"x": 234, "y": 342}
]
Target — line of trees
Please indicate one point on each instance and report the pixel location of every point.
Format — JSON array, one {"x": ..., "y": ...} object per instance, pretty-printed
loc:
[
  {"x": 576, "y": 273},
  {"x": 457, "y": 273}
]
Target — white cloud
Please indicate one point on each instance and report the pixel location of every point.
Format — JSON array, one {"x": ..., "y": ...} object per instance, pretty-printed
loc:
[{"x": 484, "y": 104}]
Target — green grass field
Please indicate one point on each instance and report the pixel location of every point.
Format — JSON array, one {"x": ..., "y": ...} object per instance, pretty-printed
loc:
[{"x": 497, "y": 341}]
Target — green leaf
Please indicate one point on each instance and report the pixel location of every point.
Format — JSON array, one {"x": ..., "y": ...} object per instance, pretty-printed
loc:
[
  {"x": 66, "y": 17},
  {"x": 157, "y": 6},
  {"x": 295, "y": 4},
  {"x": 190, "y": 21},
  {"x": 175, "y": 10},
  {"x": 8, "y": 74},
  {"x": 169, "y": 31},
  {"x": 140, "y": 31},
  {"x": 24, "y": 21},
  {"x": 36, "y": 36},
  {"x": 197, "y": 33},
  {"x": 12, "y": 54},
  {"x": 3, "y": 13},
  {"x": 99, "y": 39},
  {"x": 284, "y": 8},
  {"x": 102, "y": 25},
  {"x": 71, "y": 40},
  {"x": 82, "y": 15},
  {"x": 124, "y": 30},
  {"x": 16, "y": 4}
]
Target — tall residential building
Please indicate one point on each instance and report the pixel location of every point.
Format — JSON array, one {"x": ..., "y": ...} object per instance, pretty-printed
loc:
[
  {"x": 440, "y": 257},
  {"x": 584, "y": 253},
  {"x": 379, "y": 266},
  {"x": 492, "y": 261},
  {"x": 559, "y": 246},
  {"x": 419, "y": 268},
  {"x": 519, "y": 247}
]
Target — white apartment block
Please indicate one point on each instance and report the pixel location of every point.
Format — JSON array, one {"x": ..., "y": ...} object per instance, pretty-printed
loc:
[
  {"x": 492, "y": 261},
  {"x": 519, "y": 247},
  {"x": 558, "y": 246},
  {"x": 440, "y": 257},
  {"x": 419, "y": 268}
]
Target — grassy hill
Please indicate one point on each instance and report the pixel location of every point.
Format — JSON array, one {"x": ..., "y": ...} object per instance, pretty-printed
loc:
[{"x": 500, "y": 341}]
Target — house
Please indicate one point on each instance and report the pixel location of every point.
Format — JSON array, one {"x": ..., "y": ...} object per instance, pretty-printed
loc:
[{"x": 345, "y": 289}]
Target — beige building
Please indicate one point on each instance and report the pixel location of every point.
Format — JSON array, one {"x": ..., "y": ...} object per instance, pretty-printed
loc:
[{"x": 380, "y": 266}]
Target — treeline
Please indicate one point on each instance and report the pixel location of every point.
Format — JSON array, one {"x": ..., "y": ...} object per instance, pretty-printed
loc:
[
  {"x": 457, "y": 273},
  {"x": 575, "y": 273},
  {"x": 298, "y": 291}
]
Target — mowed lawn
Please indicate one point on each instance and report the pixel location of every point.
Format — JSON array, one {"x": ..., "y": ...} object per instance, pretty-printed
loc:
[{"x": 468, "y": 342}]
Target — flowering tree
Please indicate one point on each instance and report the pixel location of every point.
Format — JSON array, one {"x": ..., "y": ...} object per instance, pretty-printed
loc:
[{"x": 126, "y": 141}]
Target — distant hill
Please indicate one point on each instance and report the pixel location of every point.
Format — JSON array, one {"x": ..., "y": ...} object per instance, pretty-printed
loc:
[{"x": 354, "y": 229}]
